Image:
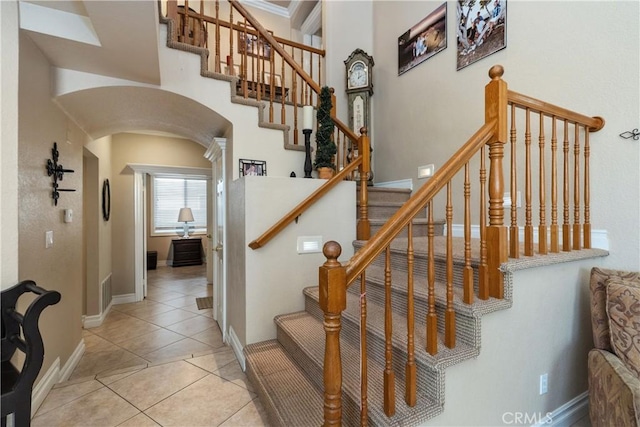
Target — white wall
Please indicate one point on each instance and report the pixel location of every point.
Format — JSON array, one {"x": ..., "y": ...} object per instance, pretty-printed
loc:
[
  {"x": 276, "y": 274},
  {"x": 580, "y": 55}
]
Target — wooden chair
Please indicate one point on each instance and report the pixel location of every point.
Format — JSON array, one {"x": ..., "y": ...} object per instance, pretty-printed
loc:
[{"x": 21, "y": 332}]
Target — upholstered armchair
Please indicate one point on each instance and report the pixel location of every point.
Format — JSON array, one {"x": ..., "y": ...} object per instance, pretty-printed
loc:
[{"x": 614, "y": 363}]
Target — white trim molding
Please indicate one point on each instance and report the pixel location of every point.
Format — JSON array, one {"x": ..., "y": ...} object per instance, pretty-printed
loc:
[
  {"x": 235, "y": 344},
  {"x": 123, "y": 299},
  {"x": 567, "y": 414},
  {"x": 267, "y": 7},
  {"x": 96, "y": 320}
]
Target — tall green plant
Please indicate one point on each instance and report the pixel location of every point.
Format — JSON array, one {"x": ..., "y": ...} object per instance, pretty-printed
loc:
[{"x": 325, "y": 147}]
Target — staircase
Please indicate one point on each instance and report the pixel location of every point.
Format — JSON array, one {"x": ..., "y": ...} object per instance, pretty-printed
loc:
[{"x": 288, "y": 371}]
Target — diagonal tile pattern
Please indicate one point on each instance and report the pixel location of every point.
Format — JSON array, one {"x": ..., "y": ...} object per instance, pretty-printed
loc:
[{"x": 159, "y": 362}]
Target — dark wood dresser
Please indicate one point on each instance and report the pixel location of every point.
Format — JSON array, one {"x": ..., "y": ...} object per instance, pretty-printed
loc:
[{"x": 187, "y": 252}]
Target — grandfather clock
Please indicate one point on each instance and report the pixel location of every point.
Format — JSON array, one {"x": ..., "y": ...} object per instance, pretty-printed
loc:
[{"x": 359, "y": 67}]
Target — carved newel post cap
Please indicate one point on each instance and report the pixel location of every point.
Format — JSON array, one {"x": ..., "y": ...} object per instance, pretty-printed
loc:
[
  {"x": 496, "y": 72},
  {"x": 363, "y": 130},
  {"x": 332, "y": 251}
]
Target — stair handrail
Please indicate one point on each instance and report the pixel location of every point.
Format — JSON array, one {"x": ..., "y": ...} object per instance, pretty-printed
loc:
[
  {"x": 361, "y": 162},
  {"x": 335, "y": 277}
]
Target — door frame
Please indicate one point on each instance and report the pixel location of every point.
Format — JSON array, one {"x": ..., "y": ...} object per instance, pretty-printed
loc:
[
  {"x": 217, "y": 151},
  {"x": 139, "y": 208}
]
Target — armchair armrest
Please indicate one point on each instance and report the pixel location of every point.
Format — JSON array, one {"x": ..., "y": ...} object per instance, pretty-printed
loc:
[{"x": 614, "y": 391}]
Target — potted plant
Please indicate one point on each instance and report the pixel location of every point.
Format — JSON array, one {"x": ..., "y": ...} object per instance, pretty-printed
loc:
[{"x": 325, "y": 147}]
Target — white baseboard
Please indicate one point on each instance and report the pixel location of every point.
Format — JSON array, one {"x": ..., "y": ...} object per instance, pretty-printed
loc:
[
  {"x": 73, "y": 361},
  {"x": 97, "y": 319},
  {"x": 123, "y": 299},
  {"x": 53, "y": 376},
  {"x": 44, "y": 386},
  {"x": 234, "y": 341},
  {"x": 401, "y": 183},
  {"x": 567, "y": 414},
  {"x": 599, "y": 238}
]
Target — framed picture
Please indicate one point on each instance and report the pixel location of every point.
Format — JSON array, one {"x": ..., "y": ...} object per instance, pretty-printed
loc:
[
  {"x": 252, "y": 44},
  {"x": 253, "y": 167},
  {"x": 482, "y": 29},
  {"x": 423, "y": 40},
  {"x": 277, "y": 80}
]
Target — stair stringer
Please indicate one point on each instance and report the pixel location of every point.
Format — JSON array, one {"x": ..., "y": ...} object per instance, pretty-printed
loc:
[{"x": 203, "y": 53}]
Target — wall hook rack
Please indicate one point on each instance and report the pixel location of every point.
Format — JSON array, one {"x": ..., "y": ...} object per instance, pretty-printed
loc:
[
  {"x": 57, "y": 171},
  {"x": 635, "y": 134}
]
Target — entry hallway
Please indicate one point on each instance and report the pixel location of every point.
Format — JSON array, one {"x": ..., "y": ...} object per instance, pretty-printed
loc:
[{"x": 159, "y": 362}]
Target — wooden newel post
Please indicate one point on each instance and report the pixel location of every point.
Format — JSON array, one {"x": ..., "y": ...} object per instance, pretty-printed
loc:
[
  {"x": 363, "y": 228},
  {"x": 333, "y": 300},
  {"x": 496, "y": 233}
]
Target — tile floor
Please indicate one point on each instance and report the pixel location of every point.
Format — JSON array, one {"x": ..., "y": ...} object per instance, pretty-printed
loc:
[{"x": 159, "y": 362}]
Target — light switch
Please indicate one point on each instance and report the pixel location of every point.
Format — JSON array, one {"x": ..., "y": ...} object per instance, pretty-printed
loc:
[
  {"x": 68, "y": 215},
  {"x": 309, "y": 244},
  {"x": 48, "y": 239}
]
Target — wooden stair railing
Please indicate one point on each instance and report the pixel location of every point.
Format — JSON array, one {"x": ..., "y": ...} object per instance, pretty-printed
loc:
[
  {"x": 335, "y": 278},
  {"x": 296, "y": 88},
  {"x": 266, "y": 67}
]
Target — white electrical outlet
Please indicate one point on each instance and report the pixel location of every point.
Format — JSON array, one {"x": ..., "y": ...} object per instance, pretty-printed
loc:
[
  {"x": 48, "y": 239},
  {"x": 544, "y": 383}
]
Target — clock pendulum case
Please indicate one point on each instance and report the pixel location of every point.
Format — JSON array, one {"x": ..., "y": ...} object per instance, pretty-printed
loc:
[{"x": 359, "y": 66}]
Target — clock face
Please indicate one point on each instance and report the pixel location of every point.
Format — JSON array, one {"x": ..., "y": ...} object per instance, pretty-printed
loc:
[{"x": 358, "y": 75}]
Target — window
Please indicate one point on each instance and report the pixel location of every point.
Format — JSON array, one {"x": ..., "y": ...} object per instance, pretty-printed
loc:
[{"x": 171, "y": 193}]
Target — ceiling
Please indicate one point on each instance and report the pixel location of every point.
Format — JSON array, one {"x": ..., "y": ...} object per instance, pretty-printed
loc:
[{"x": 94, "y": 37}]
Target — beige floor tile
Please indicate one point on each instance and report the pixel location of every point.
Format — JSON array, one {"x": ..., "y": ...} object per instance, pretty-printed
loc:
[
  {"x": 170, "y": 317},
  {"x": 251, "y": 415},
  {"x": 181, "y": 301},
  {"x": 151, "y": 342},
  {"x": 124, "y": 332},
  {"x": 215, "y": 361},
  {"x": 193, "y": 307},
  {"x": 208, "y": 402},
  {"x": 103, "y": 361},
  {"x": 123, "y": 308},
  {"x": 113, "y": 376},
  {"x": 94, "y": 343},
  {"x": 192, "y": 326},
  {"x": 99, "y": 408},
  {"x": 185, "y": 347},
  {"x": 140, "y": 420},
  {"x": 163, "y": 295},
  {"x": 63, "y": 395},
  {"x": 233, "y": 372},
  {"x": 144, "y": 312},
  {"x": 211, "y": 336},
  {"x": 147, "y": 387}
]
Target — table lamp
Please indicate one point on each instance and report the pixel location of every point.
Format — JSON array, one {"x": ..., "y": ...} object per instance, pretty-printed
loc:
[{"x": 185, "y": 216}]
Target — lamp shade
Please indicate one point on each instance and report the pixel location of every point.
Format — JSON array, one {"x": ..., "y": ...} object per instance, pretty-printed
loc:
[{"x": 185, "y": 215}]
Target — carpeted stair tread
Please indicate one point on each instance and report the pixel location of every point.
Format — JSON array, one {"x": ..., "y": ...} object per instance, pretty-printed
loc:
[
  {"x": 289, "y": 397},
  {"x": 375, "y": 325},
  {"x": 307, "y": 333}
]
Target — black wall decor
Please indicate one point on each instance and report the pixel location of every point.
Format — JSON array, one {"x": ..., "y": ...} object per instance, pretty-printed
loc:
[
  {"x": 106, "y": 200},
  {"x": 57, "y": 171}
]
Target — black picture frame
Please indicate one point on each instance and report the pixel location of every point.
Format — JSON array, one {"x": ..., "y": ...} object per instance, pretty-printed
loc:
[{"x": 253, "y": 167}]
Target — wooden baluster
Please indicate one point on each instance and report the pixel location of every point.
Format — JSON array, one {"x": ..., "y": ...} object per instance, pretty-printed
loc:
[
  {"x": 542, "y": 228},
  {"x": 566, "y": 227},
  {"x": 554, "y": 188},
  {"x": 363, "y": 227},
  {"x": 410, "y": 368},
  {"x": 259, "y": 70},
  {"x": 528, "y": 227},
  {"x": 483, "y": 273},
  {"x": 432, "y": 318},
  {"x": 576, "y": 189},
  {"x": 389, "y": 377},
  {"x": 450, "y": 314},
  {"x": 364, "y": 405},
  {"x": 496, "y": 232},
  {"x": 294, "y": 99},
  {"x": 468, "y": 270},
  {"x": 320, "y": 70},
  {"x": 283, "y": 96},
  {"x": 184, "y": 26},
  {"x": 514, "y": 232},
  {"x": 272, "y": 86},
  {"x": 333, "y": 300},
  {"x": 217, "y": 67},
  {"x": 587, "y": 214}
]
